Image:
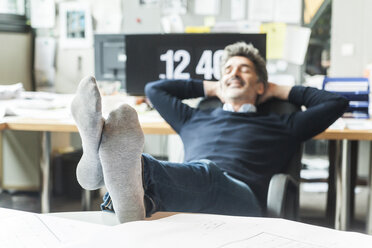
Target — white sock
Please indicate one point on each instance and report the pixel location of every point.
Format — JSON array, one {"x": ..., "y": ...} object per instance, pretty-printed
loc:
[
  {"x": 86, "y": 110},
  {"x": 120, "y": 152}
]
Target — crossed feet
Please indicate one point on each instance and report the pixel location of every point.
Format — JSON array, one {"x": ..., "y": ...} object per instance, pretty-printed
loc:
[{"x": 111, "y": 151}]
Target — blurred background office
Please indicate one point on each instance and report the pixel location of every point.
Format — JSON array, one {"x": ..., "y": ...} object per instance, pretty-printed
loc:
[{"x": 49, "y": 45}]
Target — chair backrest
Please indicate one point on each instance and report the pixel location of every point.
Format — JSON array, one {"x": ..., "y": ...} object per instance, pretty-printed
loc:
[
  {"x": 283, "y": 194},
  {"x": 284, "y": 107},
  {"x": 209, "y": 103}
]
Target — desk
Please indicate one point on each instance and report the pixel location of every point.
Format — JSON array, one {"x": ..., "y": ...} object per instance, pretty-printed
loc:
[
  {"x": 160, "y": 127},
  {"x": 24, "y": 229},
  {"x": 343, "y": 174},
  {"x": 206, "y": 230},
  {"x": 46, "y": 126}
]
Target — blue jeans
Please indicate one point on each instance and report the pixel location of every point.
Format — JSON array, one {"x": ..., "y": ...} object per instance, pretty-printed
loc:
[{"x": 196, "y": 187}]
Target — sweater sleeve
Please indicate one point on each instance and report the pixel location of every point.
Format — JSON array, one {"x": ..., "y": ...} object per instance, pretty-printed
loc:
[
  {"x": 322, "y": 109},
  {"x": 167, "y": 95}
]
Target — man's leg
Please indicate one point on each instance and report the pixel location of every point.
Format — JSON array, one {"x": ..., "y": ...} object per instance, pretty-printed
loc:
[
  {"x": 199, "y": 187},
  {"x": 87, "y": 113},
  {"x": 120, "y": 153}
]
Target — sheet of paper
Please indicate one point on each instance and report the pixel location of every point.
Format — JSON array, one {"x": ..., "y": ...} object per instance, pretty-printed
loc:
[
  {"x": 310, "y": 9},
  {"x": 172, "y": 24},
  {"x": 10, "y": 91},
  {"x": 296, "y": 43},
  {"x": 174, "y": 7},
  {"x": 149, "y": 117},
  {"x": 26, "y": 231},
  {"x": 288, "y": 11},
  {"x": 210, "y": 21},
  {"x": 39, "y": 105},
  {"x": 207, "y": 7},
  {"x": 217, "y": 231},
  {"x": 275, "y": 39},
  {"x": 6, "y": 213},
  {"x": 197, "y": 29},
  {"x": 237, "y": 10},
  {"x": 237, "y": 27},
  {"x": 42, "y": 13},
  {"x": 29, "y": 230},
  {"x": 44, "y": 60},
  {"x": 105, "y": 23},
  {"x": 45, "y": 48},
  {"x": 358, "y": 124},
  {"x": 67, "y": 230},
  {"x": 12, "y": 7},
  {"x": 339, "y": 124},
  {"x": 261, "y": 10}
]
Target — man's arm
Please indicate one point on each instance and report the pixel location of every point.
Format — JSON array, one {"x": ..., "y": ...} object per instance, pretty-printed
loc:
[
  {"x": 273, "y": 90},
  {"x": 212, "y": 89},
  {"x": 167, "y": 95},
  {"x": 323, "y": 108}
]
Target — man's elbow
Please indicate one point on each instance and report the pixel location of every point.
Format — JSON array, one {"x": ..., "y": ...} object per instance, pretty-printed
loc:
[
  {"x": 344, "y": 102},
  {"x": 150, "y": 89},
  {"x": 340, "y": 105}
]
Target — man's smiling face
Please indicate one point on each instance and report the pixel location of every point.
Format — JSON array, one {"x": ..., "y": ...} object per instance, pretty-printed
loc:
[{"x": 239, "y": 82}]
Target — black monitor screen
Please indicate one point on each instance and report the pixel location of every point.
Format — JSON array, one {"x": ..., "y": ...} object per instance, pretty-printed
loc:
[{"x": 178, "y": 56}]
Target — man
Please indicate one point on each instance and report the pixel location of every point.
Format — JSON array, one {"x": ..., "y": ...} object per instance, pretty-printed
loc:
[{"x": 230, "y": 152}]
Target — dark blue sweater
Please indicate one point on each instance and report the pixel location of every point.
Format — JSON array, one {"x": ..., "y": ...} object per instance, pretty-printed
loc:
[{"x": 251, "y": 147}]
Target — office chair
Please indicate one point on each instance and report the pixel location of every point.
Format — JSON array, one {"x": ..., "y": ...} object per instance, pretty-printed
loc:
[{"x": 283, "y": 192}]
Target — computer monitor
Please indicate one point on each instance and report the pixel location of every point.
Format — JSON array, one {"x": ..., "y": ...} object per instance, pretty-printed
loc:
[
  {"x": 178, "y": 56},
  {"x": 109, "y": 57}
]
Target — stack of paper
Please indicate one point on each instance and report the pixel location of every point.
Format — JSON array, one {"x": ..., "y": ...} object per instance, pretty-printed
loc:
[
  {"x": 23, "y": 229},
  {"x": 217, "y": 231},
  {"x": 38, "y": 105},
  {"x": 346, "y": 86},
  {"x": 356, "y": 90},
  {"x": 20, "y": 229},
  {"x": 10, "y": 91}
]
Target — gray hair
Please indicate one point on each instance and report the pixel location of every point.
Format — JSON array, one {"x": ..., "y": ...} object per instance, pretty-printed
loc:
[{"x": 250, "y": 52}]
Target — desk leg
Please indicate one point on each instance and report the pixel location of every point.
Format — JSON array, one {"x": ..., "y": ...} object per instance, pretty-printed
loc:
[
  {"x": 343, "y": 190},
  {"x": 45, "y": 172},
  {"x": 334, "y": 158},
  {"x": 369, "y": 207},
  {"x": 86, "y": 200}
]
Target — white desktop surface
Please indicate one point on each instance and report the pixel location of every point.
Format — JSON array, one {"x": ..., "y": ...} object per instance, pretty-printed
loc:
[
  {"x": 95, "y": 217},
  {"x": 219, "y": 231},
  {"x": 24, "y": 229}
]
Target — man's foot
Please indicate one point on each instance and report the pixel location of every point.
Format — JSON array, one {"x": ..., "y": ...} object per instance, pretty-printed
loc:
[
  {"x": 120, "y": 152},
  {"x": 87, "y": 113}
]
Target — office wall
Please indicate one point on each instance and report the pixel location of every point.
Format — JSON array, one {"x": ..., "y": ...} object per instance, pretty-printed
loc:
[
  {"x": 137, "y": 19},
  {"x": 73, "y": 64},
  {"x": 351, "y": 29},
  {"x": 16, "y": 58},
  {"x": 150, "y": 16},
  {"x": 150, "y": 22},
  {"x": 192, "y": 19}
]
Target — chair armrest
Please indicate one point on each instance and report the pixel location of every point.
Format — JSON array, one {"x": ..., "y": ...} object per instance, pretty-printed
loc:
[{"x": 282, "y": 197}]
